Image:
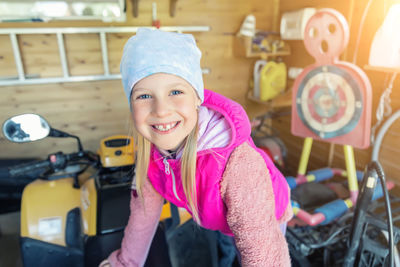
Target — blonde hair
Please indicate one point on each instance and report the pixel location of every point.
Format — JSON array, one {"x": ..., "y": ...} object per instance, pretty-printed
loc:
[{"x": 188, "y": 167}]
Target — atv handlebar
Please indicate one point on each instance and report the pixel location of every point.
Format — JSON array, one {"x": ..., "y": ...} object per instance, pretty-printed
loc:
[
  {"x": 55, "y": 162},
  {"x": 23, "y": 169}
]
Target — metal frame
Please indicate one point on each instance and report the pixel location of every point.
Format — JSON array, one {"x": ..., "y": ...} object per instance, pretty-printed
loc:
[{"x": 22, "y": 79}]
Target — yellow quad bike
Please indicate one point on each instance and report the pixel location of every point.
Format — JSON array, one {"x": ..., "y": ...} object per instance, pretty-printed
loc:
[{"x": 74, "y": 212}]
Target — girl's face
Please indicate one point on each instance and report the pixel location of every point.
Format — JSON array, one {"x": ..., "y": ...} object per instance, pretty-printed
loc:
[{"x": 164, "y": 109}]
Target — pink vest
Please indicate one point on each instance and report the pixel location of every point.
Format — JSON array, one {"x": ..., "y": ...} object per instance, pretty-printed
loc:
[{"x": 164, "y": 174}]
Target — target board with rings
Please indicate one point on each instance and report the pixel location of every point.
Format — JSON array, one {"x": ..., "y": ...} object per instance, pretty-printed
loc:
[{"x": 331, "y": 99}]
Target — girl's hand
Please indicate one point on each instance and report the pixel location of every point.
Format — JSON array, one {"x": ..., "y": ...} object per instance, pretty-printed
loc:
[{"x": 105, "y": 263}]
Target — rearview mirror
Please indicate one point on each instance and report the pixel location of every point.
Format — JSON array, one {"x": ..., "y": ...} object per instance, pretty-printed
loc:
[{"x": 26, "y": 128}]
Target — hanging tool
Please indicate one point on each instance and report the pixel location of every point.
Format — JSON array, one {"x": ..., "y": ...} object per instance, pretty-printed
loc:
[
  {"x": 172, "y": 7},
  {"x": 135, "y": 4},
  {"x": 155, "y": 23}
]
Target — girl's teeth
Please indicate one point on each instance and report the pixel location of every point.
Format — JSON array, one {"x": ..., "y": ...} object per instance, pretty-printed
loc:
[{"x": 166, "y": 128}]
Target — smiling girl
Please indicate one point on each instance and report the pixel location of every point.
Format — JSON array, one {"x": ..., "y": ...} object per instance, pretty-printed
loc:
[{"x": 195, "y": 150}]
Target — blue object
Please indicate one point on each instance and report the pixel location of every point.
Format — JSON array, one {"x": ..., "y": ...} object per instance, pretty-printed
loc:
[
  {"x": 378, "y": 192},
  {"x": 360, "y": 175},
  {"x": 332, "y": 210},
  {"x": 291, "y": 181},
  {"x": 295, "y": 204},
  {"x": 322, "y": 174}
]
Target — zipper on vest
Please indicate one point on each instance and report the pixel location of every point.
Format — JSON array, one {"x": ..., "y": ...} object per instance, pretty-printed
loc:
[{"x": 169, "y": 171}]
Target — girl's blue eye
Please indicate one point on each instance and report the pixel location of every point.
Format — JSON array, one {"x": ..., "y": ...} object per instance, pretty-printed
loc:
[
  {"x": 145, "y": 96},
  {"x": 176, "y": 92}
]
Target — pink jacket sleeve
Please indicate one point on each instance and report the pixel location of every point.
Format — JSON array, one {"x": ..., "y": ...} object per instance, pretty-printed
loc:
[
  {"x": 140, "y": 230},
  {"x": 247, "y": 192}
]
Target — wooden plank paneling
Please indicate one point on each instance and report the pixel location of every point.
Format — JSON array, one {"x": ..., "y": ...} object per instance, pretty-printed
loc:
[
  {"x": 40, "y": 55},
  {"x": 115, "y": 42},
  {"x": 84, "y": 59},
  {"x": 7, "y": 63},
  {"x": 91, "y": 110}
]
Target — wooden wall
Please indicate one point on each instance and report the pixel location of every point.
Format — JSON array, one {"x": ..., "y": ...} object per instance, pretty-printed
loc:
[
  {"x": 352, "y": 10},
  {"x": 94, "y": 110}
]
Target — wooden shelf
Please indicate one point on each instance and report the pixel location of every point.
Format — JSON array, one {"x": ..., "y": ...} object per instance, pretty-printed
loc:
[
  {"x": 243, "y": 47},
  {"x": 265, "y": 55},
  {"x": 281, "y": 101},
  {"x": 382, "y": 69}
]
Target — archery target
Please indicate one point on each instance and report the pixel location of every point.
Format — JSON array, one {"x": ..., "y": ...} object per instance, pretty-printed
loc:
[{"x": 329, "y": 101}]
